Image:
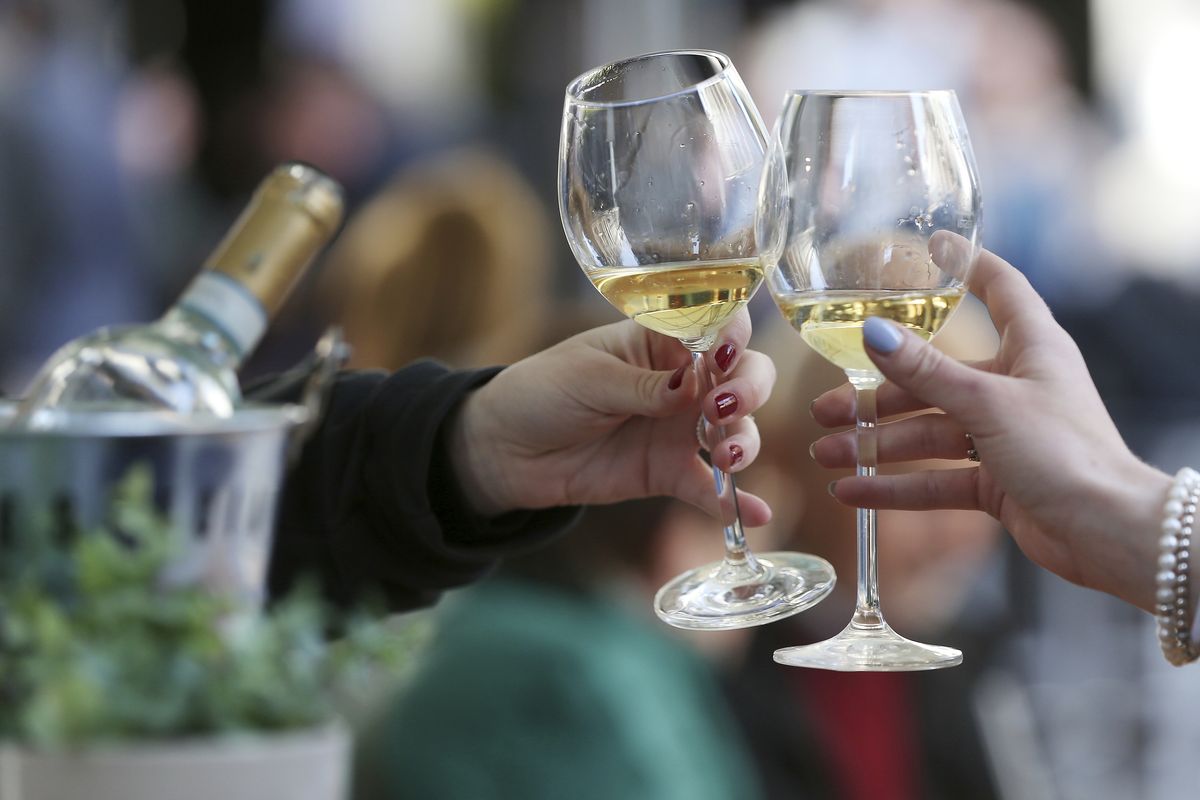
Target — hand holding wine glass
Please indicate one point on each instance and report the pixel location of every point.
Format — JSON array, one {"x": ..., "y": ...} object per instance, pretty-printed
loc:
[
  {"x": 604, "y": 416},
  {"x": 869, "y": 208},
  {"x": 1053, "y": 467},
  {"x": 659, "y": 168}
]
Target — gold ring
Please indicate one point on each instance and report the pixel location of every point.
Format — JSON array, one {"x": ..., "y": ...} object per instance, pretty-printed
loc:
[{"x": 972, "y": 453}]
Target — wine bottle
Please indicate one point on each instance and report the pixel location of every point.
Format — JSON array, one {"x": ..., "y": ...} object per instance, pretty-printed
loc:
[{"x": 186, "y": 361}]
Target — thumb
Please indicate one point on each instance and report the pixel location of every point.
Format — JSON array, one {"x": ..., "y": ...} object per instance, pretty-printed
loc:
[
  {"x": 925, "y": 372},
  {"x": 626, "y": 389}
]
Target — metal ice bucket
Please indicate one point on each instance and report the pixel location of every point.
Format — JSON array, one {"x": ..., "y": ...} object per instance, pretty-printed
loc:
[{"x": 216, "y": 481}]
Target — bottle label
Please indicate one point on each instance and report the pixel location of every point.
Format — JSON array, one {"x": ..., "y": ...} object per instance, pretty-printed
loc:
[{"x": 227, "y": 304}]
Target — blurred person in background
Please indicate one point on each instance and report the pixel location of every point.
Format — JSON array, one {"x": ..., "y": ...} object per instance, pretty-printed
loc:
[
  {"x": 69, "y": 262},
  {"x": 593, "y": 418},
  {"x": 1064, "y": 483},
  {"x": 449, "y": 261},
  {"x": 279, "y": 81},
  {"x": 200, "y": 101},
  {"x": 1034, "y": 139},
  {"x": 553, "y": 679},
  {"x": 1066, "y": 685},
  {"x": 824, "y": 734},
  {"x": 132, "y": 132}
]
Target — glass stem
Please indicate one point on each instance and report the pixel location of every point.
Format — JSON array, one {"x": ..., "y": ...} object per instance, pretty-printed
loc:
[
  {"x": 866, "y": 608},
  {"x": 738, "y": 558}
]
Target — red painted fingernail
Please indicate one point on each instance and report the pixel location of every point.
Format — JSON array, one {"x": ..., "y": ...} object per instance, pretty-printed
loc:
[
  {"x": 677, "y": 378},
  {"x": 724, "y": 356},
  {"x": 726, "y": 404},
  {"x": 735, "y": 454}
]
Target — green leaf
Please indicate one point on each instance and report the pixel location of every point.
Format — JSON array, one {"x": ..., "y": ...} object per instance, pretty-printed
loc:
[{"x": 94, "y": 647}]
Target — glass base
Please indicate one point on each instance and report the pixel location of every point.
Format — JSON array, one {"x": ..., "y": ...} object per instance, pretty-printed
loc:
[
  {"x": 731, "y": 595},
  {"x": 869, "y": 649}
]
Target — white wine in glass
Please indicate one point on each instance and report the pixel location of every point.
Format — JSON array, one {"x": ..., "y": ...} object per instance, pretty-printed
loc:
[
  {"x": 659, "y": 169},
  {"x": 869, "y": 207},
  {"x": 831, "y": 322},
  {"x": 690, "y": 300}
]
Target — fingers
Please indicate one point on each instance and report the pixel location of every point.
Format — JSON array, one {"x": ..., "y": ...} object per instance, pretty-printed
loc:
[
  {"x": 1009, "y": 297},
  {"x": 951, "y": 252},
  {"x": 610, "y": 385},
  {"x": 920, "y": 376},
  {"x": 754, "y": 510},
  {"x": 912, "y": 439},
  {"x": 747, "y": 388},
  {"x": 731, "y": 343},
  {"x": 619, "y": 383},
  {"x": 916, "y": 491},
  {"x": 927, "y": 373},
  {"x": 739, "y": 448},
  {"x": 836, "y": 406},
  {"x": 696, "y": 487}
]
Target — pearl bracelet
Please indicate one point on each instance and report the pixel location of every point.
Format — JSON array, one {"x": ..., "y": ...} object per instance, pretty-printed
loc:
[{"x": 1173, "y": 601}]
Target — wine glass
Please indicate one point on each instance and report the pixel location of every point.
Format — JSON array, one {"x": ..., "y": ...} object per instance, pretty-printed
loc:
[
  {"x": 659, "y": 166},
  {"x": 869, "y": 206}
]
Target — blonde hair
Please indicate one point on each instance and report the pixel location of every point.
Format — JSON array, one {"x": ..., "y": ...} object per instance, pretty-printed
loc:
[{"x": 450, "y": 261}]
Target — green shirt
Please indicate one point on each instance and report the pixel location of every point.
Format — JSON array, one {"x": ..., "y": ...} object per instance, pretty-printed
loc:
[{"x": 529, "y": 692}]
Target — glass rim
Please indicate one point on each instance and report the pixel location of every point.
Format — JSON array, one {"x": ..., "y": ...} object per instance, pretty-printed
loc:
[
  {"x": 867, "y": 93},
  {"x": 574, "y": 86}
]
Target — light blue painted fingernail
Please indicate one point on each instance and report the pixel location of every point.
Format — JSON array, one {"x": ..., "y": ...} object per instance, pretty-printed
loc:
[{"x": 881, "y": 335}]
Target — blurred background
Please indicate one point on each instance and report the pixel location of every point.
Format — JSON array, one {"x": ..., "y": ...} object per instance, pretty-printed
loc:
[{"x": 131, "y": 133}]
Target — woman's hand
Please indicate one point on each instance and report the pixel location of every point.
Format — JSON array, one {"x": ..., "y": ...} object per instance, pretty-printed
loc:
[
  {"x": 610, "y": 415},
  {"x": 1053, "y": 468}
]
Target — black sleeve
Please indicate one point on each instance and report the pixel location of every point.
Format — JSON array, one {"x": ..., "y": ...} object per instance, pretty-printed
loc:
[{"x": 372, "y": 506}]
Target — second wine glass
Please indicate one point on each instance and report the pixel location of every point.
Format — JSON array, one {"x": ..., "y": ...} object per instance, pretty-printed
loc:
[
  {"x": 870, "y": 207},
  {"x": 659, "y": 166}
]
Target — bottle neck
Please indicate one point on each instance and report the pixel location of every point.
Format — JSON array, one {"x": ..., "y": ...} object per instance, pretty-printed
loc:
[
  {"x": 294, "y": 212},
  {"x": 225, "y": 309},
  {"x": 224, "y": 317}
]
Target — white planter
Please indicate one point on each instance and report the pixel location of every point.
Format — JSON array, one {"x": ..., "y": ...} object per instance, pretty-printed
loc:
[{"x": 310, "y": 765}]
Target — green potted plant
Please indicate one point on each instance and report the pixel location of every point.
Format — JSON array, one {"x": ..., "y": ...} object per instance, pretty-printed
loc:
[{"x": 115, "y": 685}]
